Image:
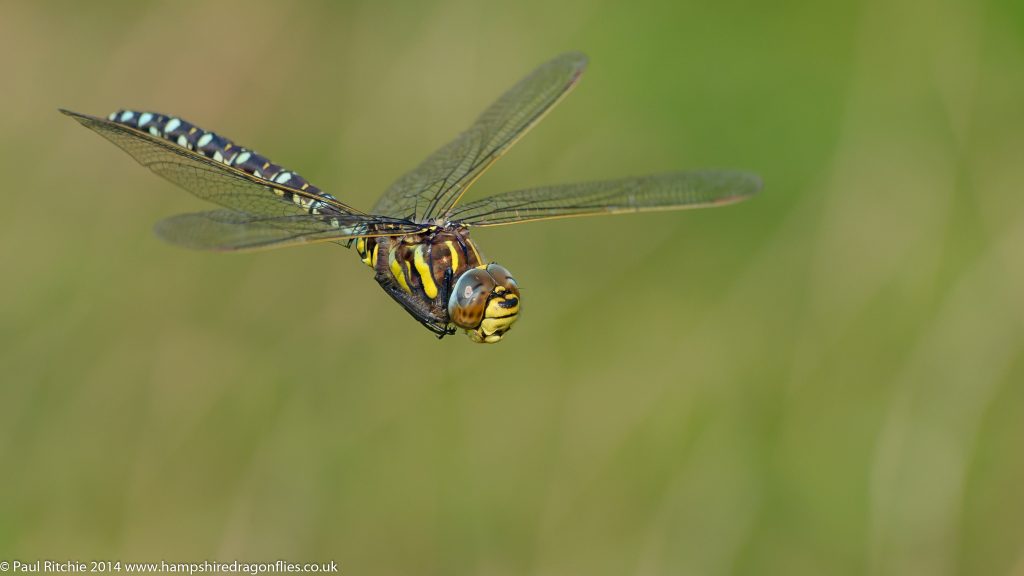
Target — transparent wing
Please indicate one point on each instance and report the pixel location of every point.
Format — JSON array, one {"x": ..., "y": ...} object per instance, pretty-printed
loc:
[
  {"x": 209, "y": 179},
  {"x": 672, "y": 191},
  {"x": 437, "y": 184},
  {"x": 229, "y": 230}
]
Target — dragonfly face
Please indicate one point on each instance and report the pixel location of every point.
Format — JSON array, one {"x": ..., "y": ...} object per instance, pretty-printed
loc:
[
  {"x": 416, "y": 237},
  {"x": 485, "y": 302}
]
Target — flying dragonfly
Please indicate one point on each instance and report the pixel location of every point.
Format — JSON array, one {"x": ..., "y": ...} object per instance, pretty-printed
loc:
[{"x": 417, "y": 236}]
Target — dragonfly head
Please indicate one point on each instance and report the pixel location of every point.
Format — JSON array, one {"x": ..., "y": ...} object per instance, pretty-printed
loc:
[{"x": 484, "y": 302}]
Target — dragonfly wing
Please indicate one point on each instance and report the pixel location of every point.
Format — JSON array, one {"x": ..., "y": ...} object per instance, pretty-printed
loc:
[
  {"x": 207, "y": 178},
  {"x": 672, "y": 191},
  {"x": 432, "y": 188},
  {"x": 228, "y": 230}
]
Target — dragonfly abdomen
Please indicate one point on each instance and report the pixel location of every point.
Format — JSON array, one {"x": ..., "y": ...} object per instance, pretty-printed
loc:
[{"x": 220, "y": 149}]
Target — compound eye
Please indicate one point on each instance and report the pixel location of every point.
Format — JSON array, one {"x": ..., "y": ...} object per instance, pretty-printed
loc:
[
  {"x": 502, "y": 277},
  {"x": 469, "y": 298}
]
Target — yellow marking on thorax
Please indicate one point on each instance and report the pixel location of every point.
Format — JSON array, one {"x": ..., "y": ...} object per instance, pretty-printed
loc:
[
  {"x": 475, "y": 252},
  {"x": 361, "y": 248},
  {"x": 423, "y": 268},
  {"x": 373, "y": 257},
  {"x": 455, "y": 254},
  {"x": 396, "y": 270}
]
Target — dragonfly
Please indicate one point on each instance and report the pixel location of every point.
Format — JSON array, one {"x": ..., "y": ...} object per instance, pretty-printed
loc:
[{"x": 416, "y": 238}]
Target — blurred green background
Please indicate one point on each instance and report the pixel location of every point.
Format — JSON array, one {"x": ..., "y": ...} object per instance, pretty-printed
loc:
[{"x": 824, "y": 380}]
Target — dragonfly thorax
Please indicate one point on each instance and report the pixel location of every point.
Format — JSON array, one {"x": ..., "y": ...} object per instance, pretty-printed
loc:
[{"x": 441, "y": 279}]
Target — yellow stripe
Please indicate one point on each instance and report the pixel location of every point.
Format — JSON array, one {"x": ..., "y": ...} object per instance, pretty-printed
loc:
[
  {"x": 473, "y": 247},
  {"x": 373, "y": 257},
  {"x": 396, "y": 270},
  {"x": 455, "y": 255},
  {"x": 426, "y": 276},
  {"x": 361, "y": 248}
]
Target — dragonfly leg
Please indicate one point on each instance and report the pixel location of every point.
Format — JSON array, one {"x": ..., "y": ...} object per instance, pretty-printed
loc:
[
  {"x": 414, "y": 306},
  {"x": 448, "y": 279}
]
